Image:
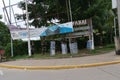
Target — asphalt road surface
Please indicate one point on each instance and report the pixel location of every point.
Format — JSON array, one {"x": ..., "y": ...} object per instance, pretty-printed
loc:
[{"x": 109, "y": 72}]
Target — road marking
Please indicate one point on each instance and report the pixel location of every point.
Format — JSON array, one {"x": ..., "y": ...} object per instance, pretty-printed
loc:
[{"x": 1, "y": 72}]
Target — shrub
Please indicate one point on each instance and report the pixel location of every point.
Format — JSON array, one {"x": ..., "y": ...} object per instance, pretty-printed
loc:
[{"x": 19, "y": 48}]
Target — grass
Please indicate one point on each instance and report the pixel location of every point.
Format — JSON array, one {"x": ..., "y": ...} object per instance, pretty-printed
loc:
[
  {"x": 83, "y": 52},
  {"x": 103, "y": 49}
]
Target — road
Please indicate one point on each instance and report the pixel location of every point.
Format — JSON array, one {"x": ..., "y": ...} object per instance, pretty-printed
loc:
[{"x": 109, "y": 72}]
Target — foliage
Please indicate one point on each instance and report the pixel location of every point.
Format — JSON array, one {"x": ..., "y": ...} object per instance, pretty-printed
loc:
[
  {"x": 42, "y": 11},
  {"x": 19, "y": 48},
  {"x": 4, "y": 34},
  {"x": 83, "y": 52},
  {"x": 0, "y": 16}
]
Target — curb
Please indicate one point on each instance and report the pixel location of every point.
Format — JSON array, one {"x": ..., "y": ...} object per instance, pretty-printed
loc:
[{"x": 58, "y": 67}]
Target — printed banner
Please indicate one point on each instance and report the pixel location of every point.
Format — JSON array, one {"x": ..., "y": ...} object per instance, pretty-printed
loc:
[
  {"x": 58, "y": 29},
  {"x": 18, "y": 33}
]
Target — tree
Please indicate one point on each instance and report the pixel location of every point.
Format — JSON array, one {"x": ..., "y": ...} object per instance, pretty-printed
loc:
[
  {"x": 4, "y": 34},
  {"x": 41, "y": 11},
  {"x": 103, "y": 21}
]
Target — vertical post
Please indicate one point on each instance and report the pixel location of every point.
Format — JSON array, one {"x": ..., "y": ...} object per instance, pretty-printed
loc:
[
  {"x": 29, "y": 46},
  {"x": 115, "y": 26},
  {"x": 10, "y": 24},
  {"x": 67, "y": 8},
  {"x": 70, "y": 11},
  {"x": 117, "y": 39},
  {"x": 118, "y": 11},
  {"x": 70, "y": 20},
  {"x": 93, "y": 47},
  {"x": 6, "y": 11},
  {"x": 91, "y": 37}
]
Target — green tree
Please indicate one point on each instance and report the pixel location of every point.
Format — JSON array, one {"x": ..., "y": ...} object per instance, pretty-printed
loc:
[
  {"x": 4, "y": 34},
  {"x": 41, "y": 11}
]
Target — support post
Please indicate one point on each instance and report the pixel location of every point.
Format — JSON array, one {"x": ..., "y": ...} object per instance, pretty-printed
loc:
[{"x": 29, "y": 46}]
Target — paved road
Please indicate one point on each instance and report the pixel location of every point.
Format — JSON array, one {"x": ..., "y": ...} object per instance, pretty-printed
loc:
[{"x": 109, "y": 72}]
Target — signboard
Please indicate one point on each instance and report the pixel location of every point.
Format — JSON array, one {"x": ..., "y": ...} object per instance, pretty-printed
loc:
[
  {"x": 58, "y": 29},
  {"x": 82, "y": 28},
  {"x": 18, "y": 33},
  {"x": 85, "y": 33},
  {"x": 79, "y": 22}
]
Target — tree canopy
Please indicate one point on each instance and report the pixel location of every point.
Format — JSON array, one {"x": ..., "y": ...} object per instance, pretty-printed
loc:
[{"x": 4, "y": 34}]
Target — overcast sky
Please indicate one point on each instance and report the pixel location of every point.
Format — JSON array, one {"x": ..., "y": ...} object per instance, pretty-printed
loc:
[{"x": 15, "y": 8}]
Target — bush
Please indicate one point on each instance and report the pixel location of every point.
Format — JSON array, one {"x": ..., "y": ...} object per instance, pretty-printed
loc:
[
  {"x": 19, "y": 48},
  {"x": 1, "y": 48}
]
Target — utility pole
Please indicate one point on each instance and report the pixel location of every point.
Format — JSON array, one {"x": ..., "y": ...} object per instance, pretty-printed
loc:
[
  {"x": 29, "y": 46},
  {"x": 9, "y": 20},
  {"x": 117, "y": 39},
  {"x": 118, "y": 11},
  {"x": 92, "y": 36},
  {"x": 10, "y": 24},
  {"x": 70, "y": 12}
]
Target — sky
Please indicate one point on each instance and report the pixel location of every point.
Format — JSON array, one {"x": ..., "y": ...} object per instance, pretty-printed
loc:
[
  {"x": 114, "y": 4},
  {"x": 15, "y": 9}
]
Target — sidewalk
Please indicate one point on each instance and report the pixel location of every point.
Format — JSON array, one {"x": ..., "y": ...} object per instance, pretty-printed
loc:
[{"x": 103, "y": 59}]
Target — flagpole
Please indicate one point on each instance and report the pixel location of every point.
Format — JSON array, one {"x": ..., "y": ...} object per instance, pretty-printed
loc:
[{"x": 29, "y": 46}]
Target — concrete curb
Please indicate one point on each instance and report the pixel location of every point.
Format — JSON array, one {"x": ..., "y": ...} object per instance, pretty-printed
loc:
[{"x": 58, "y": 67}]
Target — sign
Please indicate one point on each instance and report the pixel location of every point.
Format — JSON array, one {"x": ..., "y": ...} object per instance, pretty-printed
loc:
[
  {"x": 79, "y": 22},
  {"x": 18, "y": 33},
  {"x": 58, "y": 29},
  {"x": 81, "y": 28},
  {"x": 85, "y": 33}
]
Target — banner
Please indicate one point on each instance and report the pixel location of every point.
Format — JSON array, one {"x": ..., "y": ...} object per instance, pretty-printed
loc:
[
  {"x": 58, "y": 29},
  {"x": 14, "y": 28},
  {"x": 18, "y": 33}
]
